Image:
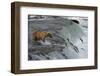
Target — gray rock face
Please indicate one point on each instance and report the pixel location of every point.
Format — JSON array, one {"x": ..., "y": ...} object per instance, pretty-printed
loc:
[{"x": 65, "y": 44}]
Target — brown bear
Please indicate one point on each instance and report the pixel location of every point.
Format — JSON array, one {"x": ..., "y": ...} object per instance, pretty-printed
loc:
[{"x": 41, "y": 35}]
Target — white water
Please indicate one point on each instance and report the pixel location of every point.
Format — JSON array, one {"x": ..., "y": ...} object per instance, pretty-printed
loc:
[
  {"x": 45, "y": 43},
  {"x": 74, "y": 33}
]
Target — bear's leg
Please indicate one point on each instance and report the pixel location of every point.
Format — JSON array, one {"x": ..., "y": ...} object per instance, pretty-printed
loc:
[
  {"x": 43, "y": 39},
  {"x": 35, "y": 39}
]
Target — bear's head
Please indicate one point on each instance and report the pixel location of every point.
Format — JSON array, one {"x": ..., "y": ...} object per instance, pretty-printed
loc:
[{"x": 49, "y": 35}]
